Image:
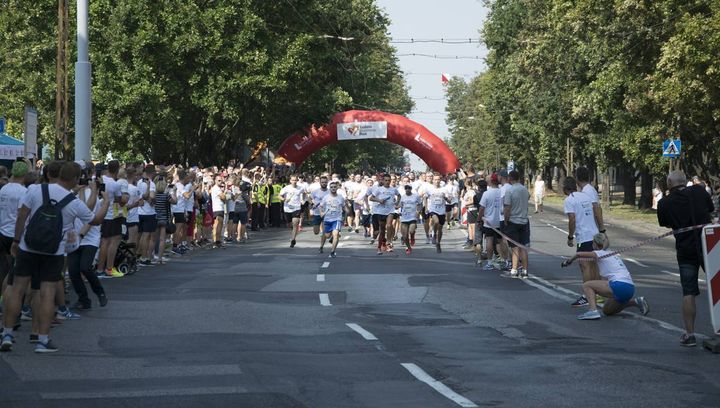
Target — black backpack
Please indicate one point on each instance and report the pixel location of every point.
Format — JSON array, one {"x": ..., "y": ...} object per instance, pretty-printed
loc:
[{"x": 44, "y": 232}]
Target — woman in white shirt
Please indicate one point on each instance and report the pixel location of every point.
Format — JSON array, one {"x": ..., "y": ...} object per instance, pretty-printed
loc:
[
  {"x": 616, "y": 284},
  {"x": 539, "y": 193}
]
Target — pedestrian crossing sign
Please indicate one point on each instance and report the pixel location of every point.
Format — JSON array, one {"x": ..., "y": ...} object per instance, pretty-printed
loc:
[{"x": 671, "y": 148}]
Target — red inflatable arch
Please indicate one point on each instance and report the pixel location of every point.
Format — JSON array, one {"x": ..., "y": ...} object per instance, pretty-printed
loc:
[{"x": 358, "y": 124}]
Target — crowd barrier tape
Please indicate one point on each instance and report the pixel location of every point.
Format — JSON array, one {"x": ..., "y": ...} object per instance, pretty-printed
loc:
[{"x": 613, "y": 253}]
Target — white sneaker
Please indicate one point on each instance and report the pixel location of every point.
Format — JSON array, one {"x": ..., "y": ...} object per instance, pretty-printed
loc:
[{"x": 513, "y": 273}]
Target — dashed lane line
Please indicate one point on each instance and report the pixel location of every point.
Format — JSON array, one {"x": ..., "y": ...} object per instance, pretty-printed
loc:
[
  {"x": 364, "y": 333},
  {"x": 636, "y": 262},
  {"x": 325, "y": 299},
  {"x": 325, "y": 264},
  {"x": 321, "y": 277},
  {"x": 443, "y": 389}
]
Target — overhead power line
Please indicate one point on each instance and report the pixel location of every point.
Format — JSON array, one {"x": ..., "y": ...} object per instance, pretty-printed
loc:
[
  {"x": 450, "y": 41},
  {"x": 436, "y": 56}
]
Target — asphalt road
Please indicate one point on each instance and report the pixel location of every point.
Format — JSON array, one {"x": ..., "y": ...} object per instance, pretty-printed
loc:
[{"x": 263, "y": 325}]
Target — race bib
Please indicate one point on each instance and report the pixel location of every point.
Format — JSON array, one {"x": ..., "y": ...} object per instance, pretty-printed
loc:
[
  {"x": 438, "y": 201},
  {"x": 409, "y": 210}
]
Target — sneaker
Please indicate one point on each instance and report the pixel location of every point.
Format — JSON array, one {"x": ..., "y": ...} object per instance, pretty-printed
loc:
[
  {"x": 144, "y": 262},
  {"x": 580, "y": 302},
  {"x": 389, "y": 247},
  {"x": 434, "y": 240},
  {"x": 412, "y": 241},
  {"x": 350, "y": 229},
  {"x": 408, "y": 251},
  {"x": 292, "y": 244},
  {"x": 333, "y": 254},
  {"x": 590, "y": 315},
  {"x": 34, "y": 338},
  {"x": 513, "y": 273},
  {"x": 177, "y": 251},
  {"x": 488, "y": 266},
  {"x": 67, "y": 314},
  {"x": 427, "y": 240},
  {"x": 380, "y": 251},
  {"x": 7, "y": 342},
  {"x": 102, "y": 298},
  {"x": 687, "y": 340},
  {"x": 113, "y": 273},
  {"x": 320, "y": 251},
  {"x": 372, "y": 241},
  {"x": 642, "y": 305},
  {"x": 26, "y": 313},
  {"x": 438, "y": 249},
  {"x": 523, "y": 273},
  {"x": 357, "y": 230},
  {"x": 48, "y": 347},
  {"x": 507, "y": 265}
]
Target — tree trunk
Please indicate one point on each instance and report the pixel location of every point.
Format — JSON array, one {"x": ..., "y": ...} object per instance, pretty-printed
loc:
[
  {"x": 629, "y": 194},
  {"x": 547, "y": 175},
  {"x": 646, "y": 186}
]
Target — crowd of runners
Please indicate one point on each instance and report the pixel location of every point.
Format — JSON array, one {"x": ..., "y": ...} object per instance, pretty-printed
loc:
[{"x": 82, "y": 222}]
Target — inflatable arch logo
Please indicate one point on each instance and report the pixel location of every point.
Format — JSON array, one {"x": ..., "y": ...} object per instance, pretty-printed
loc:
[{"x": 357, "y": 124}]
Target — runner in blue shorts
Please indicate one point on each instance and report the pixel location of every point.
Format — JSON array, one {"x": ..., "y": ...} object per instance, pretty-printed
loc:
[{"x": 331, "y": 209}]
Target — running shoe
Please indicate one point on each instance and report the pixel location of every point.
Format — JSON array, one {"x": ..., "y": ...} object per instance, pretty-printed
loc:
[
  {"x": 523, "y": 273},
  {"x": 26, "y": 313},
  {"x": 176, "y": 251},
  {"x": 7, "y": 342},
  {"x": 350, "y": 229},
  {"x": 333, "y": 254},
  {"x": 320, "y": 251},
  {"x": 434, "y": 240},
  {"x": 292, "y": 244},
  {"x": 642, "y": 305},
  {"x": 412, "y": 241},
  {"x": 590, "y": 315},
  {"x": 408, "y": 251},
  {"x": 580, "y": 302},
  {"x": 513, "y": 273},
  {"x": 357, "y": 230},
  {"x": 507, "y": 266},
  {"x": 48, "y": 347},
  {"x": 488, "y": 266},
  {"x": 438, "y": 249},
  {"x": 144, "y": 262},
  {"x": 389, "y": 247},
  {"x": 34, "y": 338},
  {"x": 102, "y": 298},
  {"x": 366, "y": 235},
  {"x": 380, "y": 250},
  {"x": 686, "y": 340},
  {"x": 372, "y": 241},
  {"x": 113, "y": 273},
  {"x": 427, "y": 239},
  {"x": 66, "y": 314},
  {"x": 81, "y": 306}
]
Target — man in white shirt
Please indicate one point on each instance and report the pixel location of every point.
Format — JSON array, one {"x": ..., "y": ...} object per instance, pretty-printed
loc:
[
  {"x": 293, "y": 197},
  {"x": 331, "y": 207},
  {"x": 489, "y": 211},
  {"x": 583, "y": 181},
  {"x": 111, "y": 229},
  {"x": 436, "y": 198},
  {"x": 316, "y": 199},
  {"x": 384, "y": 198},
  {"x": 10, "y": 196},
  {"x": 147, "y": 216},
  {"x": 217, "y": 195},
  {"x": 45, "y": 268},
  {"x": 409, "y": 205},
  {"x": 581, "y": 227}
]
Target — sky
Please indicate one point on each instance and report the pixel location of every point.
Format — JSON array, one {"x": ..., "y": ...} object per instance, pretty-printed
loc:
[{"x": 433, "y": 19}]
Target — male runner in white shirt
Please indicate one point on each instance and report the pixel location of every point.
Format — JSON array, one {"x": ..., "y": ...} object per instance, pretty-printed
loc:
[{"x": 332, "y": 211}]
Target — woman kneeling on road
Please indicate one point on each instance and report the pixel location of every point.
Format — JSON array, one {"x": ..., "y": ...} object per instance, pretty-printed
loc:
[{"x": 616, "y": 285}]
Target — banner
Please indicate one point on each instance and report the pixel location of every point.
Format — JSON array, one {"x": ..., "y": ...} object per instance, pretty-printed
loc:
[
  {"x": 362, "y": 130},
  {"x": 31, "y": 124}
]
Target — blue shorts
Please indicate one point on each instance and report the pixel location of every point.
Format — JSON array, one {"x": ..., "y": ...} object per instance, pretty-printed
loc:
[
  {"x": 317, "y": 220},
  {"x": 622, "y": 291},
  {"x": 331, "y": 226}
]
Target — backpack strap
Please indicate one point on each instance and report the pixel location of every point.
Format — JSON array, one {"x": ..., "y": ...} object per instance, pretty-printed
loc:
[
  {"x": 65, "y": 201},
  {"x": 45, "y": 194}
]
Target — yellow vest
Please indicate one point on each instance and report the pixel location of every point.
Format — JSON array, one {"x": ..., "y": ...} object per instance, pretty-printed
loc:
[
  {"x": 276, "y": 193},
  {"x": 263, "y": 194}
]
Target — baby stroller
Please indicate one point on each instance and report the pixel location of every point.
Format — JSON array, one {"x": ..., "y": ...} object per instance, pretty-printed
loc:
[{"x": 125, "y": 258}]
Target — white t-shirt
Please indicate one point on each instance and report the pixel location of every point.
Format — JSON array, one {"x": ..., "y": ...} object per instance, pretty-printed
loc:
[
  {"x": 133, "y": 197},
  {"x": 317, "y": 198},
  {"x": 436, "y": 199},
  {"x": 384, "y": 193},
  {"x": 468, "y": 199},
  {"x": 591, "y": 192},
  {"x": 10, "y": 198},
  {"x": 92, "y": 237},
  {"x": 305, "y": 187},
  {"x": 492, "y": 203},
  {"x": 114, "y": 194},
  {"x": 75, "y": 209},
  {"x": 409, "y": 207},
  {"x": 333, "y": 207},
  {"x": 179, "y": 206},
  {"x": 292, "y": 198},
  {"x": 539, "y": 188},
  {"x": 453, "y": 190},
  {"x": 146, "y": 208},
  {"x": 218, "y": 205},
  {"x": 580, "y": 204},
  {"x": 613, "y": 268}
]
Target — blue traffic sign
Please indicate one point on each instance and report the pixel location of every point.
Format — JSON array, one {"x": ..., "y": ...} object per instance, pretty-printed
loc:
[
  {"x": 671, "y": 148},
  {"x": 2, "y": 126}
]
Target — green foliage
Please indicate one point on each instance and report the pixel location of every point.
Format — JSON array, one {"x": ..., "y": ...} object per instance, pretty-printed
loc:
[
  {"x": 614, "y": 78},
  {"x": 198, "y": 81}
]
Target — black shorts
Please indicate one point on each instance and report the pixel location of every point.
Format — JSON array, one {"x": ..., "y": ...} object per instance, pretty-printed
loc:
[
  {"x": 689, "y": 278},
  {"x": 218, "y": 214},
  {"x": 241, "y": 217},
  {"x": 111, "y": 228},
  {"x": 440, "y": 217},
  {"x": 585, "y": 247},
  {"x": 472, "y": 216},
  {"x": 39, "y": 268},
  {"x": 232, "y": 217},
  {"x": 5, "y": 244},
  {"x": 425, "y": 214},
  {"x": 490, "y": 233},
  {"x": 408, "y": 223},
  {"x": 148, "y": 223},
  {"x": 517, "y": 232},
  {"x": 366, "y": 220},
  {"x": 179, "y": 218},
  {"x": 294, "y": 214},
  {"x": 449, "y": 207},
  {"x": 376, "y": 218}
]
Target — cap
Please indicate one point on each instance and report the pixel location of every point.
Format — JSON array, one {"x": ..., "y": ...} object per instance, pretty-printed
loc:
[
  {"x": 494, "y": 178},
  {"x": 503, "y": 173},
  {"x": 19, "y": 169}
]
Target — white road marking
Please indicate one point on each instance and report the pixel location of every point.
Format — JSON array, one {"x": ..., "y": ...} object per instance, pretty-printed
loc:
[
  {"x": 551, "y": 292},
  {"x": 340, "y": 245},
  {"x": 366, "y": 334},
  {"x": 446, "y": 392},
  {"x": 636, "y": 262},
  {"x": 325, "y": 299},
  {"x": 325, "y": 264},
  {"x": 347, "y": 237},
  {"x": 321, "y": 277},
  {"x": 559, "y": 229},
  {"x": 143, "y": 393}
]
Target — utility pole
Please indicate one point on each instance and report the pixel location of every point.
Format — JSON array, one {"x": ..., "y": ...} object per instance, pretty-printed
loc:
[
  {"x": 61, "y": 84},
  {"x": 82, "y": 86}
]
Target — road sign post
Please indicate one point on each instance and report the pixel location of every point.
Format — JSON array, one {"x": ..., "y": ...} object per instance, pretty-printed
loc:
[{"x": 711, "y": 253}]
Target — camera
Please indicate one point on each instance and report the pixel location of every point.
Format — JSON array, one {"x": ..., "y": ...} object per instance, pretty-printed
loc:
[{"x": 101, "y": 188}]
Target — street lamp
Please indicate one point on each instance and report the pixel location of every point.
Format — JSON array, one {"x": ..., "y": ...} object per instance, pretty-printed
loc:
[{"x": 83, "y": 70}]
